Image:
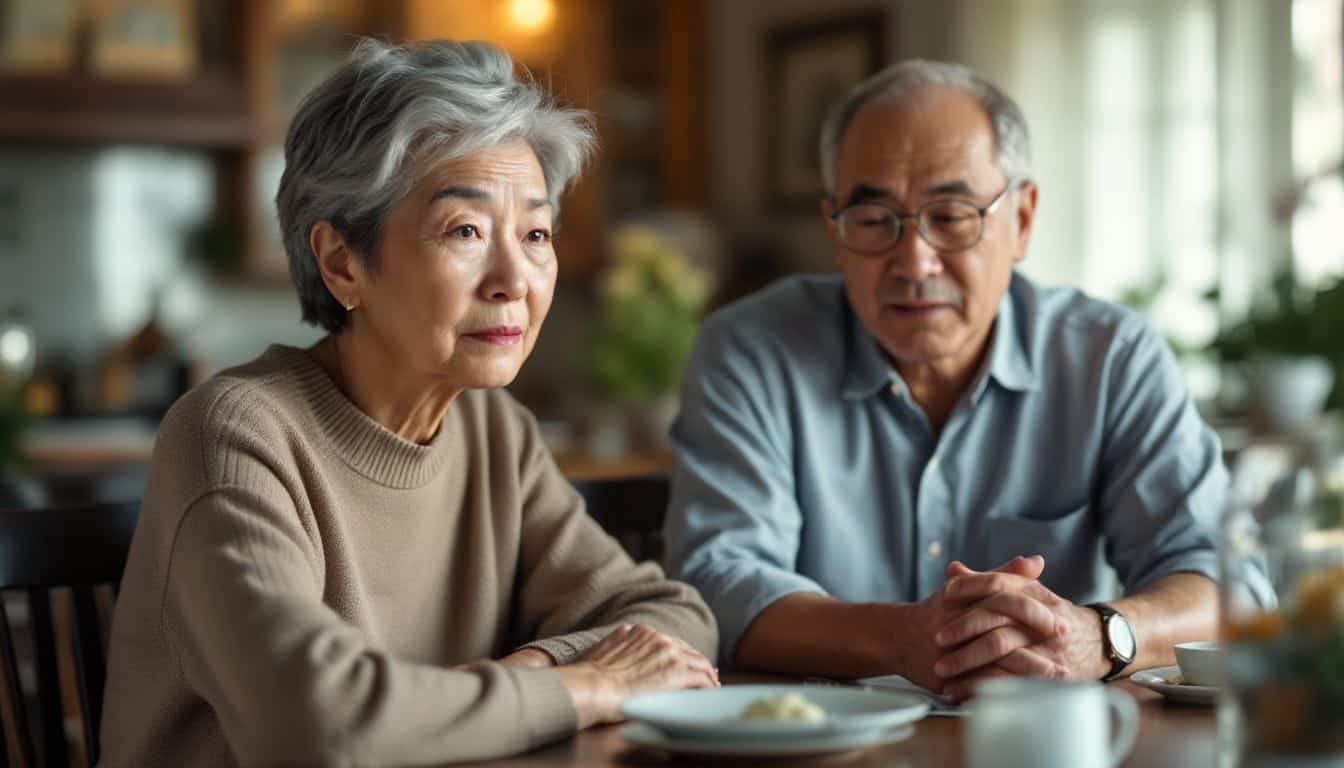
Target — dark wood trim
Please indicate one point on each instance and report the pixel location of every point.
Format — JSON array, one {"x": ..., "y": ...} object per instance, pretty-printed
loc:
[
  {"x": 204, "y": 112},
  {"x": 685, "y": 104}
]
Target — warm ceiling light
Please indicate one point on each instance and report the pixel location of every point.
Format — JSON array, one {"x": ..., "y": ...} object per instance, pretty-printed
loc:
[{"x": 531, "y": 15}]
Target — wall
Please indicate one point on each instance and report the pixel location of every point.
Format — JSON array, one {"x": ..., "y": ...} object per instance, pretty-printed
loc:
[
  {"x": 93, "y": 237},
  {"x": 737, "y": 35}
]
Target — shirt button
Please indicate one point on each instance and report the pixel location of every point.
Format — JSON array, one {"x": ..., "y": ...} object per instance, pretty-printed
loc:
[
  {"x": 896, "y": 389},
  {"x": 935, "y": 548}
]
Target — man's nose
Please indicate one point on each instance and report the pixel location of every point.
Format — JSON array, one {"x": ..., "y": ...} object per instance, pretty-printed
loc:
[{"x": 911, "y": 257}]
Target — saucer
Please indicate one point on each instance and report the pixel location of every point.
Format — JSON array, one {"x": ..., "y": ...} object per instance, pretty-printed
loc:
[
  {"x": 1156, "y": 680},
  {"x": 646, "y": 735}
]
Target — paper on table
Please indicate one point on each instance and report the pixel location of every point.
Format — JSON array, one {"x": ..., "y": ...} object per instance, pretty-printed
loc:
[{"x": 940, "y": 704}]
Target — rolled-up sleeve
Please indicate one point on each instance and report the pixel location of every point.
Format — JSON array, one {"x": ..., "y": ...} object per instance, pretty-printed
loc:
[
  {"x": 733, "y": 522},
  {"x": 1163, "y": 484}
]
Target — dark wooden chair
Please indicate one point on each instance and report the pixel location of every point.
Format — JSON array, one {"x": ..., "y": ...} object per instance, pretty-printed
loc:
[
  {"x": 631, "y": 509},
  {"x": 42, "y": 552}
]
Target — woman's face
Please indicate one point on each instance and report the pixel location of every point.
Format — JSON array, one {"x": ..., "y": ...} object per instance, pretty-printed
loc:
[{"x": 465, "y": 270}]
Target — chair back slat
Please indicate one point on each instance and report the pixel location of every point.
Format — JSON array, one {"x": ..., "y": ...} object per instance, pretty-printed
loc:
[
  {"x": 90, "y": 667},
  {"x": 18, "y": 751},
  {"x": 50, "y": 720},
  {"x": 42, "y": 550}
]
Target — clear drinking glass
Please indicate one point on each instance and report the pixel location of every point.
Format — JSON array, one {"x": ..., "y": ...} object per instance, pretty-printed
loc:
[{"x": 1283, "y": 614}]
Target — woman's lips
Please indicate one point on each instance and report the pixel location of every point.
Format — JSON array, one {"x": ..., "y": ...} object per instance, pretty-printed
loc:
[{"x": 502, "y": 336}]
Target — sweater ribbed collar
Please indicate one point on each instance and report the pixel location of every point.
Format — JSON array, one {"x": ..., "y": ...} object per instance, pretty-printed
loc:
[{"x": 366, "y": 446}]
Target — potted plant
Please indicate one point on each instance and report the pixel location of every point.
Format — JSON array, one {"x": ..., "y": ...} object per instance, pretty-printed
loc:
[
  {"x": 651, "y": 299},
  {"x": 1292, "y": 351}
]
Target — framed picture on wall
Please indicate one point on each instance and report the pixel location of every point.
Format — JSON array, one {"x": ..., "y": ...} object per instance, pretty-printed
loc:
[
  {"x": 38, "y": 36},
  {"x": 809, "y": 67},
  {"x": 144, "y": 39}
]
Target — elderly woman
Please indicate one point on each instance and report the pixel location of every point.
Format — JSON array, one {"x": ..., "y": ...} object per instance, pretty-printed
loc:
[{"x": 361, "y": 553}]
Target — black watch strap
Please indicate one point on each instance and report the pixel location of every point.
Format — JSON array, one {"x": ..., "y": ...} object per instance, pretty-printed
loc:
[{"x": 1118, "y": 663}]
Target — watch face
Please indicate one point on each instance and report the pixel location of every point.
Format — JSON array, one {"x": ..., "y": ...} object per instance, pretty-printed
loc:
[{"x": 1121, "y": 637}]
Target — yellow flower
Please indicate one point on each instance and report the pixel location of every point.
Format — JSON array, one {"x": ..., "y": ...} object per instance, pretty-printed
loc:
[
  {"x": 634, "y": 243},
  {"x": 1320, "y": 599},
  {"x": 693, "y": 290},
  {"x": 621, "y": 283},
  {"x": 645, "y": 266},
  {"x": 669, "y": 267}
]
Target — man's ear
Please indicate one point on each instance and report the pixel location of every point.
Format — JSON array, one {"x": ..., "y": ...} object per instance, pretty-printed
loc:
[
  {"x": 341, "y": 270},
  {"x": 1027, "y": 196}
]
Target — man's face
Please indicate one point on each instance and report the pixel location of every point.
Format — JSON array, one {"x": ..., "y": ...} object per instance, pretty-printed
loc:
[{"x": 923, "y": 305}]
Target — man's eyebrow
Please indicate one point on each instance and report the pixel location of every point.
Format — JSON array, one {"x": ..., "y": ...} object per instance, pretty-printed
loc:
[
  {"x": 957, "y": 187},
  {"x": 862, "y": 193}
]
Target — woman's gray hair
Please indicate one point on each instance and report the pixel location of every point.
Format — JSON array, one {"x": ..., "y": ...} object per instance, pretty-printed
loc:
[
  {"x": 368, "y": 133},
  {"x": 1011, "y": 141}
]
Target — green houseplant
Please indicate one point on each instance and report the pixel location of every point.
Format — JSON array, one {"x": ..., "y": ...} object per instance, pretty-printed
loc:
[
  {"x": 650, "y": 302},
  {"x": 1298, "y": 334}
]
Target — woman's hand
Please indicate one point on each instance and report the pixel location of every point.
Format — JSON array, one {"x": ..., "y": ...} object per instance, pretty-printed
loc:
[{"x": 629, "y": 661}]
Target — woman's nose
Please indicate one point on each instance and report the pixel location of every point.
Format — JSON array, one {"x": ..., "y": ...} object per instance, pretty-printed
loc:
[{"x": 506, "y": 279}]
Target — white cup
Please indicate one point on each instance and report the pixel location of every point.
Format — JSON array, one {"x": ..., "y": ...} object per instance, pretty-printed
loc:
[
  {"x": 1200, "y": 663},
  {"x": 1028, "y": 723}
]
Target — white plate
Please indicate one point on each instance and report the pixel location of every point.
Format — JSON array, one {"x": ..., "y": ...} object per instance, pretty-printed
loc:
[
  {"x": 647, "y": 736},
  {"x": 715, "y": 712},
  {"x": 1156, "y": 679}
]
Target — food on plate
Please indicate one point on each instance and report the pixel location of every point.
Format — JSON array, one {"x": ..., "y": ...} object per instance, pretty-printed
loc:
[{"x": 784, "y": 707}]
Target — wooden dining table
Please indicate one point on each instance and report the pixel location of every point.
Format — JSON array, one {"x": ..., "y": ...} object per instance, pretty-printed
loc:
[{"x": 1170, "y": 736}]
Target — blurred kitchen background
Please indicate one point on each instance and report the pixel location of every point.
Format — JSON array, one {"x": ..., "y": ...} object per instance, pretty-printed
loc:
[{"x": 1188, "y": 153}]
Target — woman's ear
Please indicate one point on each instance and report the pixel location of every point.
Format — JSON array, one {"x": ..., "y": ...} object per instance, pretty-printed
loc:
[{"x": 342, "y": 272}]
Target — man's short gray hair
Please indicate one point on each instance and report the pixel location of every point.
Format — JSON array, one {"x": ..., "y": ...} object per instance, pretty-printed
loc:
[
  {"x": 367, "y": 134},
  {"x": 1011, "y": 141}
]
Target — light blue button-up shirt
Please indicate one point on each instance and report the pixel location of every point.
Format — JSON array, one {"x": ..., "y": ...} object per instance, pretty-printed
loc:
[{"x": 805, "y": 466}]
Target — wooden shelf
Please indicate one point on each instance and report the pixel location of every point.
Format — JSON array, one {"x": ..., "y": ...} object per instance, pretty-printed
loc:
[{"x": 207, "y": 111}]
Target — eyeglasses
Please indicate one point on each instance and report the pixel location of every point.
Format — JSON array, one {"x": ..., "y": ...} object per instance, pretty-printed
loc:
[{"x": 948, "y": 225}]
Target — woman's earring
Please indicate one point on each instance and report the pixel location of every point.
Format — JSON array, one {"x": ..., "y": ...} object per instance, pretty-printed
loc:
[{"x": 349, "y": 307}]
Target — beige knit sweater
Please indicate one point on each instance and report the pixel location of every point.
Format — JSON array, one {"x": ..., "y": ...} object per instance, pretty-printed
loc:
[{"x": 302, "y": 580}]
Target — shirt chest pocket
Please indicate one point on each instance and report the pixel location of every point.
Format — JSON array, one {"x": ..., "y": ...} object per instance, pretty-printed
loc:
[{"x": 1068, "y": 539}]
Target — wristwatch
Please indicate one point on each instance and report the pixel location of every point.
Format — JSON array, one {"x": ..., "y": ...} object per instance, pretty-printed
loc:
[{"x": 1117, "y": 638}]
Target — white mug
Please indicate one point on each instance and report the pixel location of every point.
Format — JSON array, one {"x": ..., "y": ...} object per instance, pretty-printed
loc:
[{"x": 1030, "y": 723}]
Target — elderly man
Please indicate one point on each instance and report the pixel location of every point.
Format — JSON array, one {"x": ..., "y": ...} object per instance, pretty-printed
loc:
[{"x": 924, "y": 465}]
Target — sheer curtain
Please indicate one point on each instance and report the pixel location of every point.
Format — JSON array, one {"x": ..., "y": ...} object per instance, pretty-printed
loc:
[
  {"x": 1318, "y": 139},
  {"x": 1161, "y": 129}
]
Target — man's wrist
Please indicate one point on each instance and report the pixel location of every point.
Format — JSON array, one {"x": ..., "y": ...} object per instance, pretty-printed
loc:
[
  {"x": 906, "y": 647},
  {"x": 1119, "y": 645},
  {"x": 1100, "y": 666}
]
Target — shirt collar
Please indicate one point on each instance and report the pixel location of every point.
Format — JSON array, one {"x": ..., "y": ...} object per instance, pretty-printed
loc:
[
  {"x": 1010, "y": 361},
  {"x": 867, "y": 369}
]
